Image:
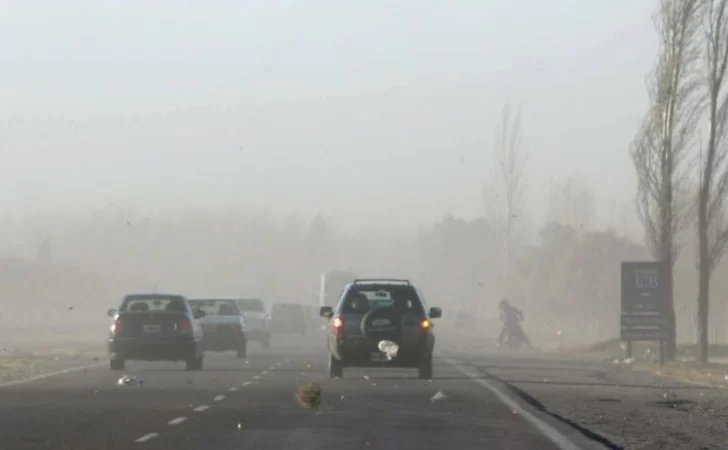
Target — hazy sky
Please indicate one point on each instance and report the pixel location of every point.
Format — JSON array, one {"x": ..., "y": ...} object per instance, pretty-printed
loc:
[{"x": 360, "y": 110}]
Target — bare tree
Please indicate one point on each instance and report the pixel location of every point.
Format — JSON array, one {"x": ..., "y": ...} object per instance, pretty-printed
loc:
[
  {"x": 572, "y": 203},
  {"x": 511, "y": 159},
  {"x": 711, "y": 224},
  {"x": 661, "y": 150}
]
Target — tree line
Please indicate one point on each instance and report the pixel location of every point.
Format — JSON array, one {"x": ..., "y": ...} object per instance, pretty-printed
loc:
[{"x": 681, "y": 168}]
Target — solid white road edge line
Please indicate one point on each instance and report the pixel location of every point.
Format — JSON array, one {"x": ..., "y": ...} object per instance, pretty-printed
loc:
[
  {"x": 177, "y": 421},
  {"x": 50, "y": 374},
  {"x": 561, "y": 441},
  {"x": 146, "y": 437},
  {"x": 201, "y": 408},
  {"x": 218, "y": 398}
]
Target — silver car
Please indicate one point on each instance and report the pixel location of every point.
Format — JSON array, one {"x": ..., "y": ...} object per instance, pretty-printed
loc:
[{"x": 223, "y": 325}]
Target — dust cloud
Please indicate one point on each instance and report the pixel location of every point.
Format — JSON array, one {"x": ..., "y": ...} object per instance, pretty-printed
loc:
[
  {"x": 409, "y": 113},
  {"x": 565, "y": 275}
]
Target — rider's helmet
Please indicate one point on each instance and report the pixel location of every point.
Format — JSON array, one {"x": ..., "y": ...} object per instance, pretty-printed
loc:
[{"x": 503, "y": 302}]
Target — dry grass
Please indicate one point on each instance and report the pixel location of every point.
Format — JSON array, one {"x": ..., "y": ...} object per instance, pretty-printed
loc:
[{"x": 712, "y": 374}]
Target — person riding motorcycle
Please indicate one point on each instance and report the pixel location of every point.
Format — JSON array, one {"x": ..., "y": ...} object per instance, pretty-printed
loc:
[{"x": 511, "y": 318}]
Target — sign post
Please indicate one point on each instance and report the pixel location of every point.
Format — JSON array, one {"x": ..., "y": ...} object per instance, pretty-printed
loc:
[{"x": 644, "y": 314}]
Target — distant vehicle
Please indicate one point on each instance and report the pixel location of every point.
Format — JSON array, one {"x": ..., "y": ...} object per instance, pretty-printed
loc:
[
  {"x": 466, "y": 320},
  {"x": 371, "y": 311},
  {"x": 332, "y": 285},
  {"x": 257, "y": 320},
  {"x": 223, "y": 325},
  {"x": 289, "y": 318},
  {"x": 155, "y": 327}
]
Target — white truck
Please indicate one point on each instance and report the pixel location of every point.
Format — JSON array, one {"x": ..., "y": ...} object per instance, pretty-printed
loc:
[{"x": 332, "y": 284}]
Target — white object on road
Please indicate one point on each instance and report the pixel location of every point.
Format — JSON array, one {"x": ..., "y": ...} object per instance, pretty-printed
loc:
[
  {"x": 389, "y": 348},
  {"x": 438, "y": 396},
  {"x": 130, "y": 381}
]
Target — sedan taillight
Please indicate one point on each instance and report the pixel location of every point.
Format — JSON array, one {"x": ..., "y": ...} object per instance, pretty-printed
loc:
[
  {"x": 184, "y": 326},
  {"x": 117, "y": 327}
]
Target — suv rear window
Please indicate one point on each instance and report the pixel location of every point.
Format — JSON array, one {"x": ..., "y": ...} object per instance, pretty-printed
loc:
[
  {"x": 251, "y": 305},
  {"x": 361, "y": 299}
]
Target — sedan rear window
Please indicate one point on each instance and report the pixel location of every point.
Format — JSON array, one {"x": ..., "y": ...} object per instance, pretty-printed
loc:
[{"x": 142, "y": 304}]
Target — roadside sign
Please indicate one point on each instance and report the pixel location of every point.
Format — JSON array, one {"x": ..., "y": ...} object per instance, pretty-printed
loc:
[{"x": 645, "y": 301}]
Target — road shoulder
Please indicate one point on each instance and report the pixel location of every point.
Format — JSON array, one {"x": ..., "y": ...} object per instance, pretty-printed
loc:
[{"x": 630, "y": 408}]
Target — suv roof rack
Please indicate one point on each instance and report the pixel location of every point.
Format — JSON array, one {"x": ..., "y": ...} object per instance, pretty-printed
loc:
[{"x": 380, "y": 281}]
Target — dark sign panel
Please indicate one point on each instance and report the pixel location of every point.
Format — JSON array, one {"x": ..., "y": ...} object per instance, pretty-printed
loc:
[{"x": 644, "y": 301}]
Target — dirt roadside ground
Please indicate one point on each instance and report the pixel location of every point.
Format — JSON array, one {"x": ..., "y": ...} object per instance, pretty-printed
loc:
[
  {"x": 645, "y": 405},
  {"x": 26, "y": 356},
  {"x": 627, "y": 404}
]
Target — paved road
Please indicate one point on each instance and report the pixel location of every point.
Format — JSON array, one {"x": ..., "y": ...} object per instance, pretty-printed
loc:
[{"x": 236, "y": 404}]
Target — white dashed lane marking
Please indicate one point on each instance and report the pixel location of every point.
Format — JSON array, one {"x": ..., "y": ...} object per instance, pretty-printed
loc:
[
  {"x": 147, "y": 437},
  {"x": 201, "y": 408},
  {"x": 177, "y": 421}
]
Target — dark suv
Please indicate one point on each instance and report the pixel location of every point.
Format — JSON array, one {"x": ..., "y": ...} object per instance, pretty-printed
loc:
[{"x": 370, "y": 311}]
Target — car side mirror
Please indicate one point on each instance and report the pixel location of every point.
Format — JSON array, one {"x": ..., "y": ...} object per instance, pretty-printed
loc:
[
  {"x": 435, "y": 313},
  {"x": 326, "y": 311},
  {"x": 111, "y": 312},
  {"x": 198, "y": 314}
]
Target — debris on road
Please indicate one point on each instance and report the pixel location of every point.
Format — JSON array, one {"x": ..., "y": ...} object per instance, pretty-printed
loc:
[
  {"x": 624, "y": 361},
  {"x": 438, "y": 396},
  {"x": 130, "y": 381},
  {"x": 309, "y": 395}
]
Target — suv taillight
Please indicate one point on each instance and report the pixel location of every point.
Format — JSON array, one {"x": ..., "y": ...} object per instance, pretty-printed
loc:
[{"x": 338, "y": 326}]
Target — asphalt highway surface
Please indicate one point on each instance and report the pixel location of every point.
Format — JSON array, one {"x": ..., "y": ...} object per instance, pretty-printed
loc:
[{"x": 249, "y": 404}]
